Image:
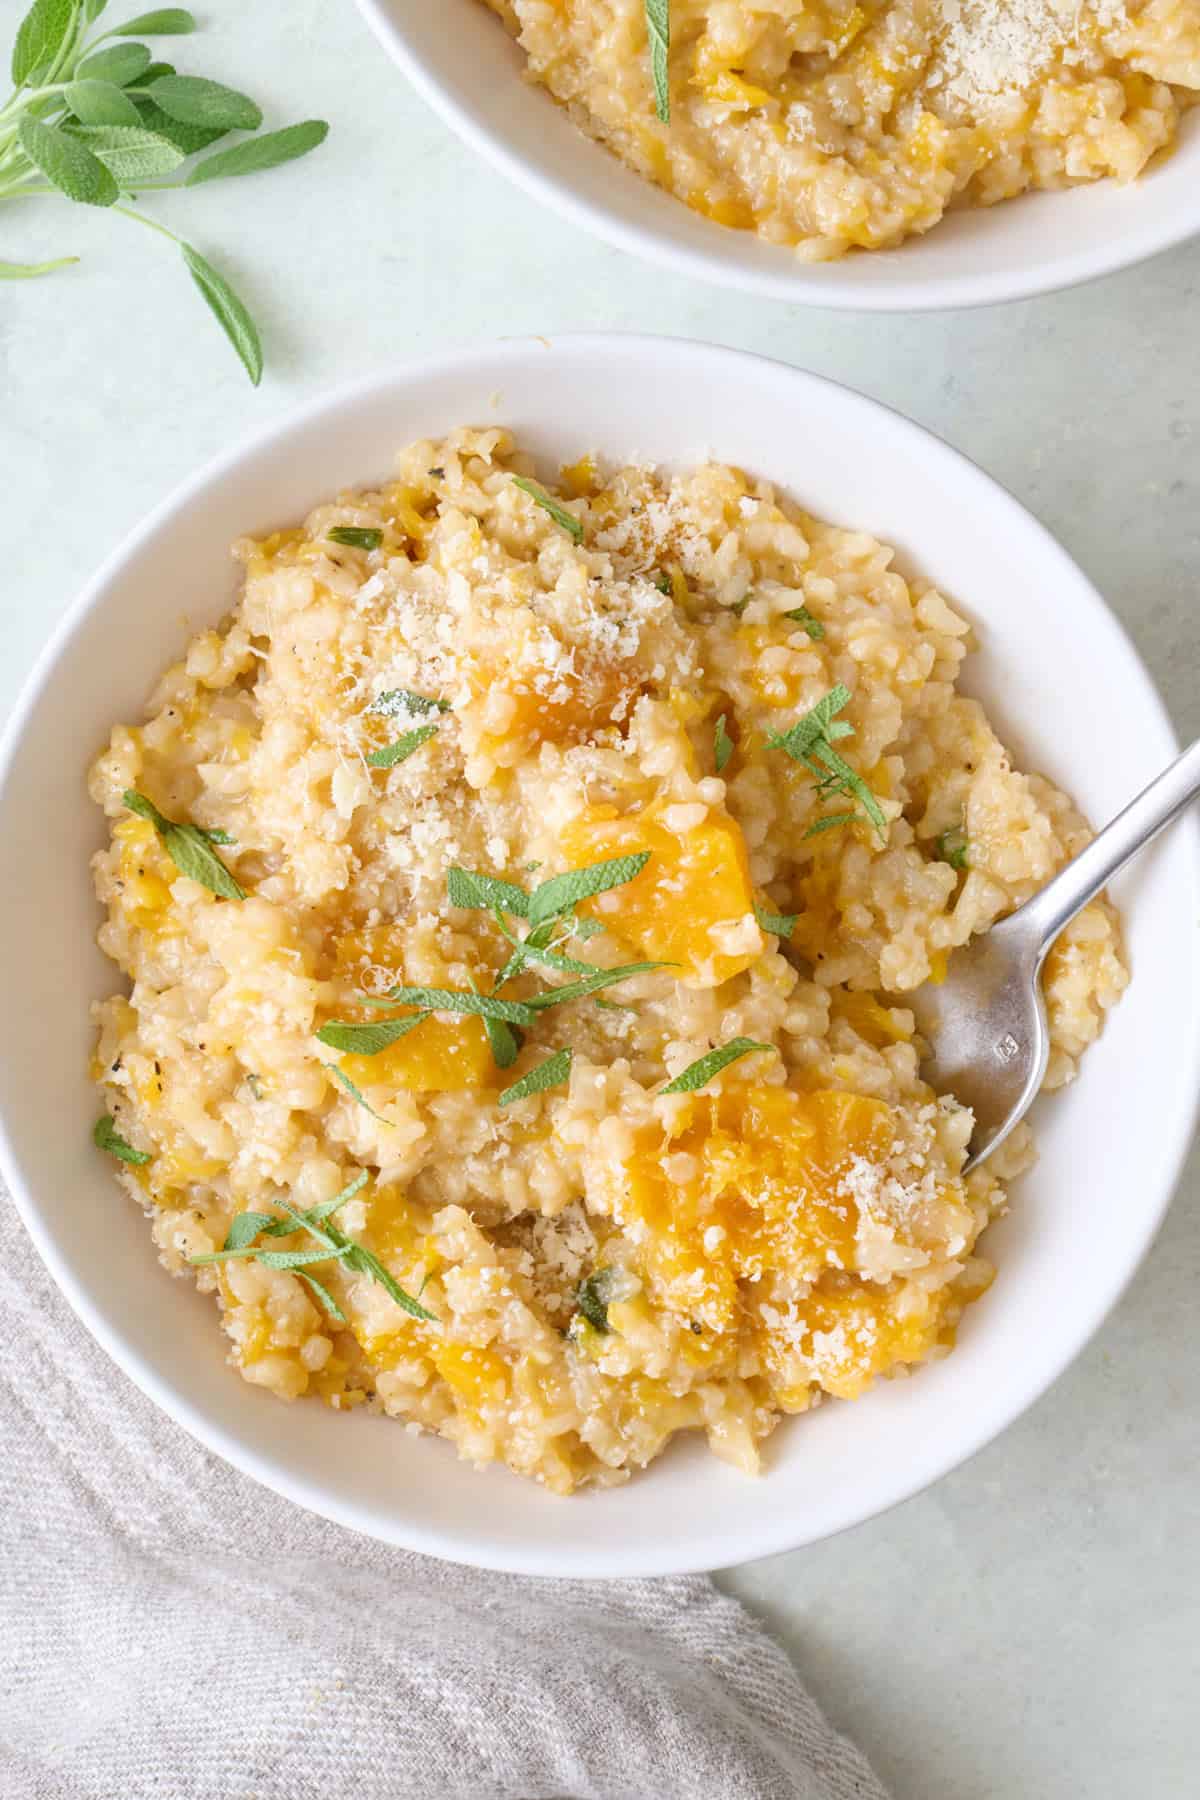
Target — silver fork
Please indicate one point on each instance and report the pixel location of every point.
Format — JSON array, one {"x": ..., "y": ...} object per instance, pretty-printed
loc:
[{"x": 985, "y": 1024}]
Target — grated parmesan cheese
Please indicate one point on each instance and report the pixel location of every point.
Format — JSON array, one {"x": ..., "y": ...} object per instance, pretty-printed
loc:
[{"x": 992, "y": 48}]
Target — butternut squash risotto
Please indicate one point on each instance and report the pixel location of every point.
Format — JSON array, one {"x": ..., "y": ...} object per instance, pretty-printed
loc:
[
  {"x": 516, "y": 896},
  {"x": 834, "y": 124}
]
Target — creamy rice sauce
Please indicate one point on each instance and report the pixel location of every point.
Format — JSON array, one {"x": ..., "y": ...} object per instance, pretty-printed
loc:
[
  {"x": 603, "y": 1264},
  {"x": 834, "y": 124}
]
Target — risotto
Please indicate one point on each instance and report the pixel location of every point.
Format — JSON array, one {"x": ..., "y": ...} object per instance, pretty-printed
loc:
[
  {"x": 849, "y": 123},
  {"x": 517, "y": 894}
]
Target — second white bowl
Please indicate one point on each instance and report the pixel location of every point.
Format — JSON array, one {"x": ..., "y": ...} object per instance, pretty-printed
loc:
[{"x": 466, "y": 65}]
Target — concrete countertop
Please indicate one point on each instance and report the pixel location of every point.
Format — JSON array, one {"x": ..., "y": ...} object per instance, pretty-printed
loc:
[{"x": 1026, "y": 1630}]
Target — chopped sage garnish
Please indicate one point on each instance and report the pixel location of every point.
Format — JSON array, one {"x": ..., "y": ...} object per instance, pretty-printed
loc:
[
  {"x": 463, "y": 1000},
  {"x": 701, "y": 1072},
  {"x": 562, "y": 892},
  {"x": 190, "y": 848},
  {"x": 810, "y": 741},
  {"x": 722, "y": 745},
  {"x": 552, "y": 1073},
  {"x": 402, "y": 703},
  {"x": 782, "y": 924},
  {"x": 402, "y": 749},
  {"x": 953, "y": 847},
  {"x": 355, "y": 1092},
  {"x": 593, "y": 1297},
  {"x": 333, "y": 1245},
  {"x": 800, "y": 615},
  {"x": 484, "y": 892},
  {"x": 368, "y": 1040},
  {"x": 558, "y": 512},
  {"x": 591, "y": 984},
  {"x": 105, "y": 1136},
  {"x": 356, "y": 537}
]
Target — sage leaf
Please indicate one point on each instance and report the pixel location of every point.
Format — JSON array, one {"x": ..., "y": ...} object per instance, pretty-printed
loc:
[
  {"x": 323, "y": 1295},
  {"x": 189, "y": 848},
  {"x": 463, "y": 1000},
  {"x": 402, "y": 749},
  {"x": 245, "y": 1228},
  {"x": 485, "y": 892},
  {"x": 41, "y": 34},
  {"x": 194, "y": 101},
  {"x": 592, "y": 1297},
  {"x": 562, "y": 892},
  {"x": 658, "y": 29},
  {"x": 397, "y": 703},
  {"x": 701, "y": 1072},
  {"x": 504, "y": 1042},
  {"x": 229, "y": 312},
  {"x": 367, "y": 1040},
  {"x": 121, "y": 64},
  {"x": 590, "y": 984},
  {"x": 105, "y": 1136},
  {"x": 130, "y": 152},
  {"x": 269, "y": 152},
  {"x": 100, "y": 103},
  {"x": 782, "y": 924},
  {"x": 189, "y": 138},
  {"x": 558, "y": 512},
  {"x": 800, "y": 615},
  {"x": 67, "y": 163},
  {"x": 355, "y": 1092},
  {"x": 552, "y": 1073},
  {"x": 167, "y": 21},
  {"x": 354, "y": 537},
  {"x": 722, "y": 745}
]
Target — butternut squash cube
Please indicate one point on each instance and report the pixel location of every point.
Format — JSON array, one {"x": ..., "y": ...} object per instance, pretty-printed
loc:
[
  {"x": 764, "y": 1195},
  {"x": 692, "y": 904}
]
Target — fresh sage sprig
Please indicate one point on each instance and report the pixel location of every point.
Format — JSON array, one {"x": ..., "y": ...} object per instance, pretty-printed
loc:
[
  {"x": 190, "y": 848},
  {"x": 701, "y": 1072},
  {"x": 103, "y": 123},
  {"x": 333, "y": 1245},
  {"x": 810, "y": 741}
]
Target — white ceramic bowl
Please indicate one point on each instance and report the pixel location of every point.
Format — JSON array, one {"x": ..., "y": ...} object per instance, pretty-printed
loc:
[
  {"x": 460, "y": 57},
  {"x": 1054, "y": 667}
]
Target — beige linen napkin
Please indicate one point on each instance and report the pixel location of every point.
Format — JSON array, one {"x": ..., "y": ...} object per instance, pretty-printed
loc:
[{"x": 171, "y": 1631}]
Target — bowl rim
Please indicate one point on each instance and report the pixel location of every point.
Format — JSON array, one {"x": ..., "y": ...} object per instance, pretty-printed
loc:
[
  {"x": 751, "y": 1543},
  {"x": 837, "y": 292}
]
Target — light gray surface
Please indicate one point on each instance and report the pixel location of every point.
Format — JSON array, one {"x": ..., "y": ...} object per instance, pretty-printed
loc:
[{"x": 1027, "y": 1630}]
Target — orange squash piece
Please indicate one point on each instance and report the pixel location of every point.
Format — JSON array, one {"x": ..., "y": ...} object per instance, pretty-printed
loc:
[
  {"x": 695, "y": 883},
  {"x": 439, "y": 1056},
  {"x": 762, "y": 1195}
]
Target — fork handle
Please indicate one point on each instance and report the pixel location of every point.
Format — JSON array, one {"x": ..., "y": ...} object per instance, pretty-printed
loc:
[{"x": 1084, "y": 877}]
